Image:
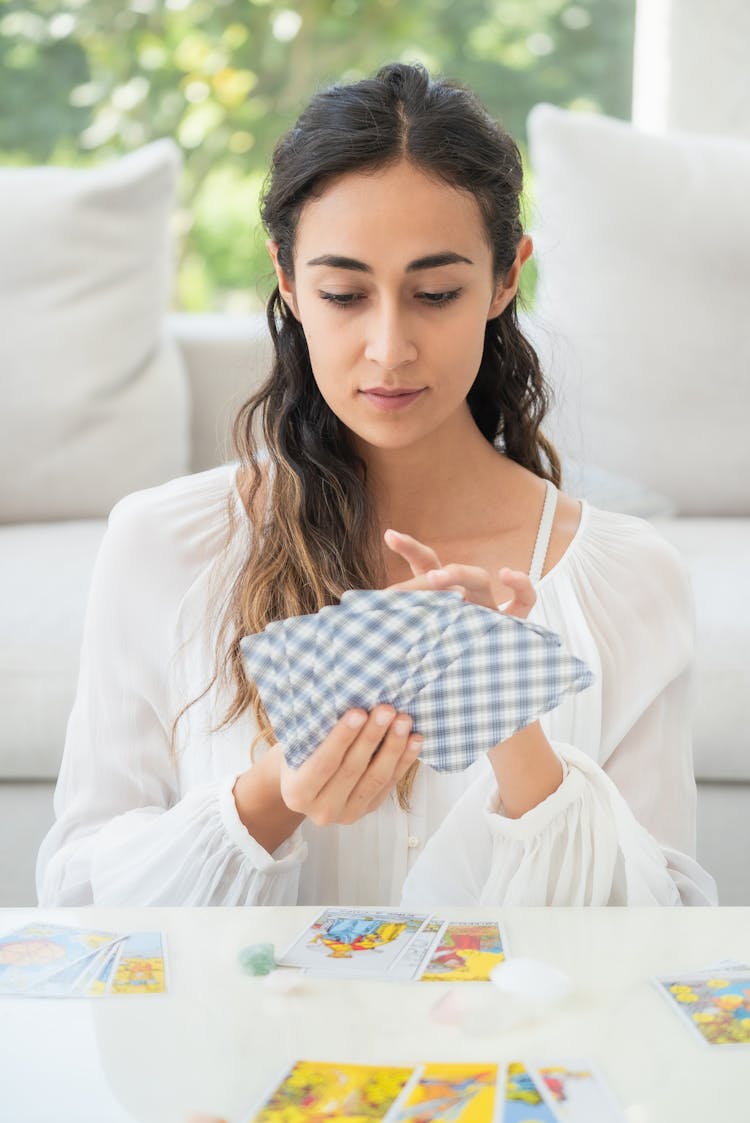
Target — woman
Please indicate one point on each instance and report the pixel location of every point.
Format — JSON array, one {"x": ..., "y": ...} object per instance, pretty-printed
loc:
[{"x": 402, "y": 422}]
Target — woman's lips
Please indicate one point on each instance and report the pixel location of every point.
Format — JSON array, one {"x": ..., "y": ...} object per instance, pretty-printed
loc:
[{"x": 391, "y": 401}]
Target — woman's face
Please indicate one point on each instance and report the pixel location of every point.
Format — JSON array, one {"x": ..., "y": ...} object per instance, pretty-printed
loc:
[{"x": 393, "y": 287}]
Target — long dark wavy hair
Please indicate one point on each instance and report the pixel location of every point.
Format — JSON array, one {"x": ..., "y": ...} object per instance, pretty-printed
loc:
[{"x": 313, "y": 523}]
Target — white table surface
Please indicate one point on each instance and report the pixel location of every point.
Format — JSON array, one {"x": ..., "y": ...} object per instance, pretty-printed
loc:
[{"x": 217, "y": 1039}]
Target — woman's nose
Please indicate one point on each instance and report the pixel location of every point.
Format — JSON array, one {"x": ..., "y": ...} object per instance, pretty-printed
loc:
[{"x": 389, "y": 342}]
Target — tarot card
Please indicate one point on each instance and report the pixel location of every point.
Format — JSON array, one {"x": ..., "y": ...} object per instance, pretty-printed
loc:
[
  {"x": 408, "y": 964},
  {"x": 140, "y": 967},
  {"x": 354, "y": 943},
  {"x": 435, "y": 646},
  {"x": 461, "y": 1093},
  {"x": 276, "y": 652},
  {"x": 465, "y": 952},
  {"x": 328, "y": 1091},
  {"x": 524, "y": 1098},
  {"x": 76, "y": 980},
  {"x": 576, "y": 1092},
  {"x": 715, "y": 1004},
  {"x": 97, "y": 982},
  {"x": 377, "y": 646},
  {"x": 33, "y": 953}
]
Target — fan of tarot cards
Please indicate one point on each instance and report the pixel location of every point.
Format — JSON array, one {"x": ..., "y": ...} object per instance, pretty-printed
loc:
[{"x": 468, "y": 676}]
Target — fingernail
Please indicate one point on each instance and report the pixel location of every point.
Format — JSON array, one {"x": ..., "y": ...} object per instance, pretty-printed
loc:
[
  {"x": 355, "y": 721},
  {"x": 415, "y": 745},
  {"x": 402, "y": 726},
  {"x": 383, "y": 717}
]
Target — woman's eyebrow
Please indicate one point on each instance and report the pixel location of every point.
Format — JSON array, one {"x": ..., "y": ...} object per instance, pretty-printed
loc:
[{"x": 432, "y": 261}]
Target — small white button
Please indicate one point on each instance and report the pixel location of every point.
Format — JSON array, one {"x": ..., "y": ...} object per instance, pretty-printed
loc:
[{"x": 412, "y": 842}]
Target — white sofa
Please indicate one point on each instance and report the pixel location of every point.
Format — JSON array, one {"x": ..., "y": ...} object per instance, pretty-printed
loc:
[{"x": 104, "y": 394}]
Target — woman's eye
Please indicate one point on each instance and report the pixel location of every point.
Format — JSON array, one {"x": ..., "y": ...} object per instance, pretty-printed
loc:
[
  {"x": 348, "y": 299},
  {"x": 439, "y": 299},
  {"x": 341, "y": 299}
]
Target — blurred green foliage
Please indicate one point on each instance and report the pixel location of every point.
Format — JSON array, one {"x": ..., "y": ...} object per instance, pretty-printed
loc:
[{"x": 82, "y": 81}]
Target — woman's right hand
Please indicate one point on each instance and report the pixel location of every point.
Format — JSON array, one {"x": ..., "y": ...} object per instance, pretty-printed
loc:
[
  {"x": 354, "y": 768},
  {"x": 348, "y": 775}
]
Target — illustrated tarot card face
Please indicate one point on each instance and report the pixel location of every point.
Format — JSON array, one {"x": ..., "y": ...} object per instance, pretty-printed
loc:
[
  {"x": 461, "y": 1093},
  {"x": 354, "y": 942},
  {"x": 141, "y": 966},
  {"x": 329, "y": 1091},
  {"x": 577, "y": 1093},
  {"x": 466, "y": 951},
  {"x": 38, "y": 951},
  {"x": 78, "y": 980},
  {"x": 715, "y": 1005},
  {"x": 525, "y": 1100}
]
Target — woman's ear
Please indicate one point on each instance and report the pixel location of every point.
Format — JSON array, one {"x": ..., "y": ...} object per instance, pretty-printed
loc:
[
  {"x": 508, "y": 288},
  {"x": 286, "y": 287}
]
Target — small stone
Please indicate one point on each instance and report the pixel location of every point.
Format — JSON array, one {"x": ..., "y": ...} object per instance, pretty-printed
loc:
[{"x": 257, "y": 959}]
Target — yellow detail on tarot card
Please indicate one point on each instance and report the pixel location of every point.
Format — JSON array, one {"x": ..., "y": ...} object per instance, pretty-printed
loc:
[
  {"x": 461, "y": 1093},
  {"x": 475, "y": 966},
  {"x": 324, "y": 1091},
  {"x": 137, "y": 975}
]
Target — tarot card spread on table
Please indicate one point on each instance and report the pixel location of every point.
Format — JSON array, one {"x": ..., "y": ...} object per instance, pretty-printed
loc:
[
  {"x": 715, "y": 1004},
  {"x": 58, "y": 961},
  {"x": 396, "y": 946},
  {"x": 468, "y": 676},
  {"x": 427, "y": 1093},
  {"x": 361, "y": 1093}
]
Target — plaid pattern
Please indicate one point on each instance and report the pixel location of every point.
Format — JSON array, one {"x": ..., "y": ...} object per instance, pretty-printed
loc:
[{"x": 468, "y": 676}]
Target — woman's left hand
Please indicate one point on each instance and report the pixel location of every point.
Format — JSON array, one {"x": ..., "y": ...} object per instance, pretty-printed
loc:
[{"x": 470, "y": 580}]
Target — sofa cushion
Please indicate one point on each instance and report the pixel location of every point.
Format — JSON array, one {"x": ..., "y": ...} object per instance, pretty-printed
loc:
[
  {"x": 45, "y": 571},
  {"x": 643, "y": 250},
  {"x": 716, "y": 552},
  {"x": 612, "y": 492},
  {"x": 95, "y": 400}
]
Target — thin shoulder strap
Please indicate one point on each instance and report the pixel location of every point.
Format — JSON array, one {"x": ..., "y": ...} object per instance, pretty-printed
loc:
[{"x": 543, "y": 534}]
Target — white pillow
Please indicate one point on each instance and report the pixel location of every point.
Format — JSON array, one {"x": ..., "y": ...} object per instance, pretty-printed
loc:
[
  {"x": 642, "y": 318},
  {"x": 92, "y": 391}
]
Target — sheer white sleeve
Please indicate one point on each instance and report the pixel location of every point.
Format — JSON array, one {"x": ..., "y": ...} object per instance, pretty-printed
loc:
[
  {"x": 125, "y": 834},
  {"x": 620, "y": 829}
]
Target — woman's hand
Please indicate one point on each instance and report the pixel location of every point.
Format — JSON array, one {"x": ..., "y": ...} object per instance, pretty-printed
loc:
[
  {"x": 353, "y": 769},
  {"x": 348, "y": 775},
  {"x": 470, "y": 580}
]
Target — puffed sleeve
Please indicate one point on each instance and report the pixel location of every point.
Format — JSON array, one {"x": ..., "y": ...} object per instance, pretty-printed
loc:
[
  {"x": 125, "y": 834},
  {"x": 620, "y": 829}
]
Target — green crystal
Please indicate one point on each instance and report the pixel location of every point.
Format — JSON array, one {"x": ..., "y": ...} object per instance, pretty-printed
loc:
[{"x": 257, "y": 959}]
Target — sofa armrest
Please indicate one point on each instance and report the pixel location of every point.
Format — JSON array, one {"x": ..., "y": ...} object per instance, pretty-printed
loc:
[{"x": 226, "y": 358}]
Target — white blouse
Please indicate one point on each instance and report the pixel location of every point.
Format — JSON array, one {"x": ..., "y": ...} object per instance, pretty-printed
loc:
[{"x": 138, "y": 825}]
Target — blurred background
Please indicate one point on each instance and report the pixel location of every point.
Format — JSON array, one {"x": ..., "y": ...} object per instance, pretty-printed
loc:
[{"x": 82, "y": 81}]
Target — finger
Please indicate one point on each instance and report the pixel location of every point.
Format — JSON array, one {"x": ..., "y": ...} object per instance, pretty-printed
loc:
[
  {"x": 419, "y": 583},
  {"x": 302, "y": 786},
  {"x": 420, "y": 557},
  {"x": 332, "y": 798},
  {"x": 524, "y": 594},
  {"x": 379, "y": 777},
  {"x": 473, "y": 579},
  {"x": 409, "y": 757}
]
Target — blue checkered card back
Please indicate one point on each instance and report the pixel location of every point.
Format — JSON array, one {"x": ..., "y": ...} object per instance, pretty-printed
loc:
[{"x": 468, "y": 676}]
